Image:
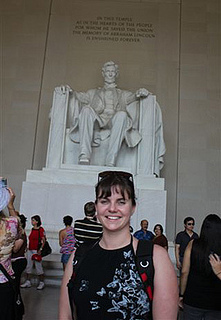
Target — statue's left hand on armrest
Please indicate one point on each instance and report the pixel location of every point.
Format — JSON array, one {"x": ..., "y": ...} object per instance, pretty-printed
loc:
[{"x": 142, "y": 93}]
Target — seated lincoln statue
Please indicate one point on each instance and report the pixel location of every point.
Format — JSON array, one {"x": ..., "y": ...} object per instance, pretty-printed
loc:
[
  {"x": 105, "y": 108},
  {"x": 125, "y": 127}
]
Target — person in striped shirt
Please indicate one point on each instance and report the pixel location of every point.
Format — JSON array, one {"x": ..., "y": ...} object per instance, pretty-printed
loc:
[
  {"x": 66, "y": 240},
  {"x": 88, "y": 230}
]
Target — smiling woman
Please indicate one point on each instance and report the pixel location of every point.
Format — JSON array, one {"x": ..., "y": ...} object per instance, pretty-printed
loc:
[
  {"x": 115, "y": 204},
  {"x": 105, "y": 283}
]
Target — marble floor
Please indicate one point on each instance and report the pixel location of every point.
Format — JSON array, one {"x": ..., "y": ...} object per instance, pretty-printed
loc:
[{"x": 41, "y": 304}]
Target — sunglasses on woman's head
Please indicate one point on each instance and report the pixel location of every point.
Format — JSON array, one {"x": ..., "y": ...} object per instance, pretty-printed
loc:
[
  {"x": 122, "y": 174},
  {"x": 190, "y": 224}
]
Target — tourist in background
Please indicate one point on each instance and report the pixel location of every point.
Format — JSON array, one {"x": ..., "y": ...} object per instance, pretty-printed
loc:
[
  {"x": 18, "y": 258},
  {"x": 34, "y": 250},
  {"x": 88, "y": 230},
  {"x": 182, "y": 240},
  {"x": 9, "y": 230},
  {"x": 160, "y": 238},
  {"x": 200, "y": 290},
  {"x": 143, "y": 233},
  {"x": 67, "y": 240}
]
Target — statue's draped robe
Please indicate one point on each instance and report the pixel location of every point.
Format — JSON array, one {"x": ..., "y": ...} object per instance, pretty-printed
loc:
[{"x": 94, "y": 98}]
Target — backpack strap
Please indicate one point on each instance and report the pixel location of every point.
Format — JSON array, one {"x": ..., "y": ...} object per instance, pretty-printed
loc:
[{"x": 144, "y": 263}]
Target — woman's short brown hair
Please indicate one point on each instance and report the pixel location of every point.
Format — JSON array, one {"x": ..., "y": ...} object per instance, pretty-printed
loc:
[{"x": 120, "y": 180}]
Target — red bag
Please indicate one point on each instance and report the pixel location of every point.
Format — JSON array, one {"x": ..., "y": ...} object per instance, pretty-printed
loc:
[{"x": 36, "y": 257}]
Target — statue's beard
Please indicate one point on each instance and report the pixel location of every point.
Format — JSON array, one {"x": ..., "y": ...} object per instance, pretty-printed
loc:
[{"x": 109, "y": 81}]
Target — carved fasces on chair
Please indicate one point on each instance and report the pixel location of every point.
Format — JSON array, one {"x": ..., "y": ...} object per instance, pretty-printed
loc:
[
  {"x": 151, "y": 149},
  {"x": 58, "y": 117}
]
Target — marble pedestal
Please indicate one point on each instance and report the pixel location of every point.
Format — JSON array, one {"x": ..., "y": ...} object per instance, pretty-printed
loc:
[{"x": 54, "y": 193}]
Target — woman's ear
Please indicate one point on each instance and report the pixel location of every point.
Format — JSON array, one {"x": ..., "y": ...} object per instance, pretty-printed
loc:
[{"x": 133, "y": 209}]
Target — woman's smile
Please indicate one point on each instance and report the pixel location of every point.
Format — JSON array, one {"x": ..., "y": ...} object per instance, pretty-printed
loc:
[{"x": 113, "y": 218}]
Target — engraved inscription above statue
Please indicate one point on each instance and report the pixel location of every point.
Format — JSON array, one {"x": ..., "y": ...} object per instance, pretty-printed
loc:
[{"x": 112, "y": 115}]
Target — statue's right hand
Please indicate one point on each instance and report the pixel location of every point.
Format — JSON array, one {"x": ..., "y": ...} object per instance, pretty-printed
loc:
[{"x": 63, "y": 89}]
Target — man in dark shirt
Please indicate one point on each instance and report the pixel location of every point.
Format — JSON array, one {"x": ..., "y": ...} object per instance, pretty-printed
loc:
[
  {"x": 182, "y": 240},
  {"x": 143, "y": 233},
  {"x": 88, "y": 229}
]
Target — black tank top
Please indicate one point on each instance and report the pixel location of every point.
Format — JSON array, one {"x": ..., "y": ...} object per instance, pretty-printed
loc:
[
  {"x": 202, "y": 290},
  {"x": 108, "y": 286}
]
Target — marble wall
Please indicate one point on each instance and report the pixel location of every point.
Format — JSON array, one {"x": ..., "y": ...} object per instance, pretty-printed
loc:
[
  {"x": 23, "y": 38},
  {"x": 199, "y": 158},
  {"x": 181, "y": 65}
]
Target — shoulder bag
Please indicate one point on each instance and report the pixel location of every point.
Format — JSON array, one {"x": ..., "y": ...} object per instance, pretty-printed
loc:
[
  {"x": 46, "y": 250},
  {"x": 18, "y": 303}
]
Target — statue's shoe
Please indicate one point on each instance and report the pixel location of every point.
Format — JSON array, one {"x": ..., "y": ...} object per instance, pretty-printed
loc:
[
  {"x": 109, "y": 165},
  {"x": 84, "y": 161}
]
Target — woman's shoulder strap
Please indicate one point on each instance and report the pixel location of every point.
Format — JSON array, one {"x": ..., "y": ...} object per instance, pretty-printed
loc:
[{"x": 144, "y": 263}]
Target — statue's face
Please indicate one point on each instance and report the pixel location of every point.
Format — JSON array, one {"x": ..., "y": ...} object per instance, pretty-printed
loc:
[{"x": 110, "y": 74}]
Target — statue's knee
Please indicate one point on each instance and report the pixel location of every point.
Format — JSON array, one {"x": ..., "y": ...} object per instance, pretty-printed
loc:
[
  {"x": 86, "y": 110},
  {"x": 121, "y": 115},
  {"x": 86, "y": 114}
]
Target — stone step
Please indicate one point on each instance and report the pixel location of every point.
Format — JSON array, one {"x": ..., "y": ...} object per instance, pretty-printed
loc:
[
  {"x": 52, "y": 261},
  {"x": 53, "y": 269},
  {"x": 56, "y": 282},
  {"x": 53, "y": 273}
]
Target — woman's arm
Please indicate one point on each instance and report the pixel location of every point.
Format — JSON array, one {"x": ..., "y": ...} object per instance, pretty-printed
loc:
[
  {"x": 43, "y": 239},
  {"x": 177, "y": 251},
  {"x": 10, "y": 206},
  {"x": 185, "y": 271},
  {"x": 17, "y": 245},
  {"x": 62, "y": 235},
  {"x": 215, "y": 262},
  {"x": 165, "y": 300},
  {"x": 13, "y": 212},
  {"x": 185, "y": 268},
  {"x": 64, "y": 305}
]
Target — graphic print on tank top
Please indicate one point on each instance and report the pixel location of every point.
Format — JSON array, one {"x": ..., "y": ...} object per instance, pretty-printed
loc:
[{"x": 125, "y": 292}]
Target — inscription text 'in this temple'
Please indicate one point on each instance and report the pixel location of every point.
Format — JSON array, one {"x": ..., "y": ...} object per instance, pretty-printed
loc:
[{"x": 118, "y": 29}]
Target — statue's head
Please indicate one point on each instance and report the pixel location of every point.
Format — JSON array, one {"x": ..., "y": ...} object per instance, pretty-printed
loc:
[{"x": 110, "y": 71}]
